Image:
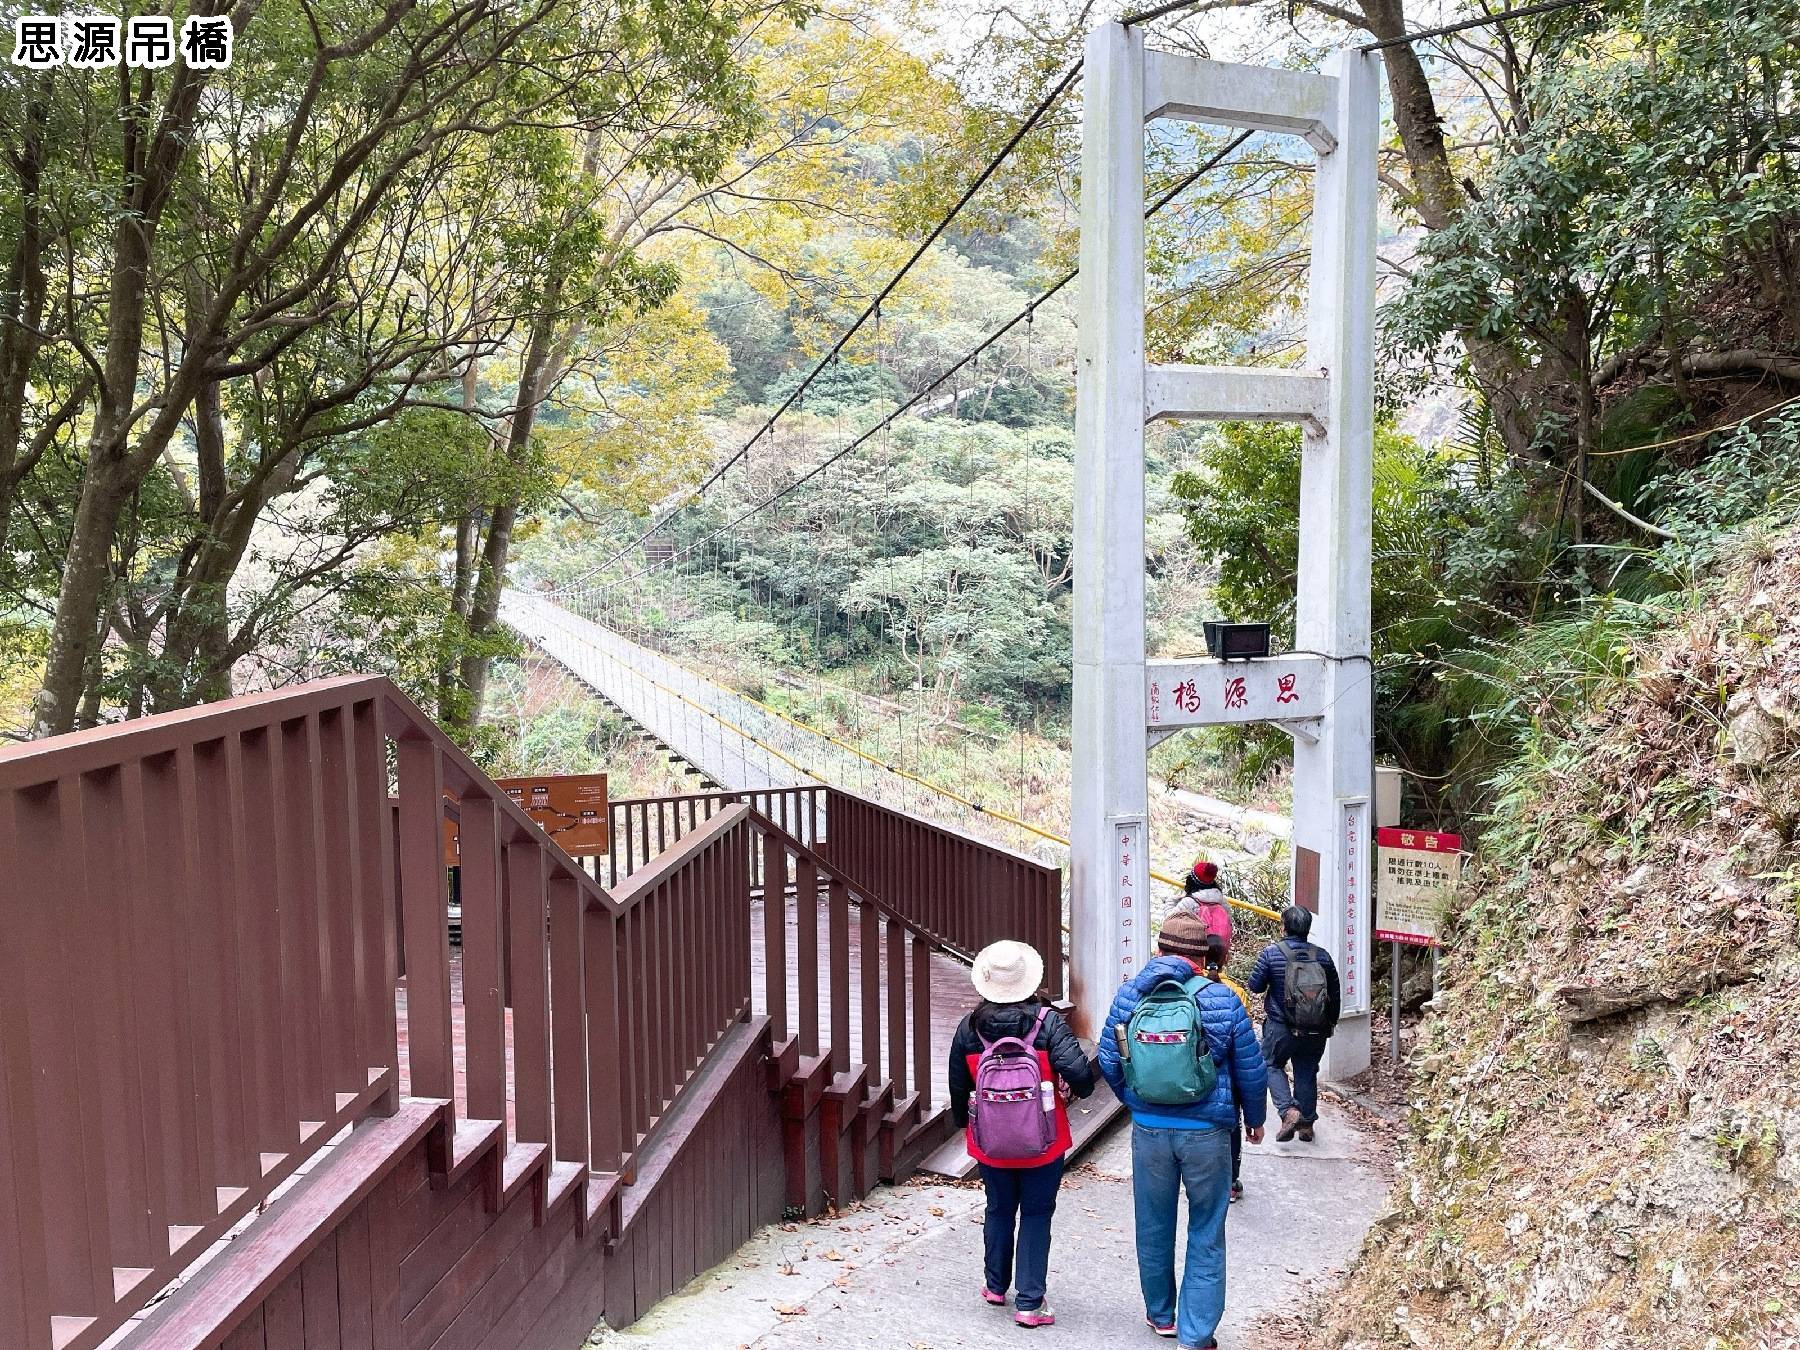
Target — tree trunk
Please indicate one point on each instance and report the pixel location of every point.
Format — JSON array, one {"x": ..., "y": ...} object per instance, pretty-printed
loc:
[
  {"x": 75, "y": 636},
  {"x": 105, "y": 486},
  {"x": 1578, "y": 344},
  {"x": 1439, "y": 202},
  {"x": 490, "y": 580},
  {"x": 484, "y": 614},
  {"x": 24, "y": 305},
  {"x": 462, "y": 598}
]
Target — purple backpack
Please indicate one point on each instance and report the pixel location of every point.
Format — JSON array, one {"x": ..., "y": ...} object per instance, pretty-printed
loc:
[{"x": 1012, "y": 1114}]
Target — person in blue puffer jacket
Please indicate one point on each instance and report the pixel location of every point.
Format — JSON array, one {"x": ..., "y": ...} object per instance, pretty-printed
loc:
[{"x": 1187, "y": 1148}]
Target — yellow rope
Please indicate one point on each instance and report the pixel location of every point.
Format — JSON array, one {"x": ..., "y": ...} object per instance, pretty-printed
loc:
[
  {"x": 1697, "y": 435},
  {"x": 925, "y": 783}
]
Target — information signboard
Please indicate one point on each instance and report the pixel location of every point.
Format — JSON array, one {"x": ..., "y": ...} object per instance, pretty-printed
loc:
[
  {"x": 1418, "y": 871},
  {"x": 569, "y": 807}
]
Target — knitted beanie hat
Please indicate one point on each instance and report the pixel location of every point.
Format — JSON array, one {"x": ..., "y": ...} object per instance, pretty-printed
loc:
[{"x": 1184, "y": 934}]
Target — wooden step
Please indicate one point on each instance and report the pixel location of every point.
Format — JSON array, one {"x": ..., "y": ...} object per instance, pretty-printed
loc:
[
  {"x": 271, "y": 1249},
  {"x": 565, "y": 1180},
  {"x": 471, "y": 1141},
  {"x": 523, "y": 1163}
]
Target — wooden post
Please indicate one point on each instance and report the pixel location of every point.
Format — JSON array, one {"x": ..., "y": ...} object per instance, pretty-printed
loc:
[
  {"x": 484, "y": 1016},
  {"x": 605, "y": 1053},
  {"x": 426, "y": 907}
]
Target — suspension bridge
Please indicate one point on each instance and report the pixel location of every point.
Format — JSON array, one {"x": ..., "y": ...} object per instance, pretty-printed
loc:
[{"x": 252, "y": 1097}]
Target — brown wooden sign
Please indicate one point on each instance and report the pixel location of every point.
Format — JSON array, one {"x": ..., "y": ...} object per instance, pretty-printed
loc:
[{"x": 569, "y": 807}]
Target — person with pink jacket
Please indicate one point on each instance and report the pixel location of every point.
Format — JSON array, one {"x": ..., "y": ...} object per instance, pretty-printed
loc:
[{"x": 1205, "y": 901}]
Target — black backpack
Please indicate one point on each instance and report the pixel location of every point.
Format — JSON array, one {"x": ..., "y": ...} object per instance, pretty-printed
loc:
[{"x": 1306, "y": 991}]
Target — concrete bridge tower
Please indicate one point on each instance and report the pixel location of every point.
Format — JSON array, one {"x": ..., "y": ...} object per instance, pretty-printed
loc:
[{"x": 1320, "y": 693}]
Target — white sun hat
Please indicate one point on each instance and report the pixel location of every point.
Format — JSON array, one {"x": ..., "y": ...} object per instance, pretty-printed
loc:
[{"x": 1007, "y": 972}]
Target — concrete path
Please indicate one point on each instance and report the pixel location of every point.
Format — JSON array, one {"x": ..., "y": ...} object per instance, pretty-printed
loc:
[
  {"x": 1230, "y": 813},
  {"x": 902, "y": 1271}
]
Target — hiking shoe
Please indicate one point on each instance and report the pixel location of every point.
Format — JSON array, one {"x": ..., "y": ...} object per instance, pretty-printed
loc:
[
  {"x": 1305, "y": 1134},
  {"x": 1237, "y": 1191},
  {"x": 1160, "y": 1329},
  {"x": 1290, "y": 1122},
  {"x": 1036, "y": 1317},
  {"x": 989, "y": 1296}
]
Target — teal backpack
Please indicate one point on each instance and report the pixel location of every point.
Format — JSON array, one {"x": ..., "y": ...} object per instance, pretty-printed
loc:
[{"x": 1167, "y": 1059}]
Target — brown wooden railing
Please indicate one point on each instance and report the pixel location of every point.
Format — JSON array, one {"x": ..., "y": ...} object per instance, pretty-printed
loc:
[
  {"x": 962, "y": 892},
  {"x": 641, "y": 828},
  {"x": 673, "y": 956},
  {"x": 198, "y": 940},
  {"x": 886, "y": 960},
  {"x": 200, "y": 971},
  {"x": 200, "y": 958}
]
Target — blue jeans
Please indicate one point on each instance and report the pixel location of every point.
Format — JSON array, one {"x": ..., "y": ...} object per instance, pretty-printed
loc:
[
  {"x": 1280, "y": 1047},
  {"x": 1163, "y": 1164},
  {"x": 1024, "y": 1197}
]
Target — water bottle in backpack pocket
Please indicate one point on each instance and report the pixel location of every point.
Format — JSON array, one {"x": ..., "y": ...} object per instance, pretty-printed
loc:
[
  {"x": 1011, "y": 1117},
  {"x": 1169, "y": 1062},
  {"x": 1306, "y": 991}
]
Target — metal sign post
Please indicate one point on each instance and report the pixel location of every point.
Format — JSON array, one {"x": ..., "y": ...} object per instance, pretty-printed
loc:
[
  {"x": 1418, "y": 871},
  {"x": 1320, "y": 693}
]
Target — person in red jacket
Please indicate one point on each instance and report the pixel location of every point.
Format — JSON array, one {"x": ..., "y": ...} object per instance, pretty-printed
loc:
[{"x": 1021, "y": 1193}]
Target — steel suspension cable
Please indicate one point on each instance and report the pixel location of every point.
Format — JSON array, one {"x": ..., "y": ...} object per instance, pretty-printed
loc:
[
  {"x": 1056, "y": 91},
  {"x": 1023, "y": 316}
]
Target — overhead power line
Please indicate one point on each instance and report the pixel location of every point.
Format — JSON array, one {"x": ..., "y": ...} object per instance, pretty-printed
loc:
[
  {"x": 1479, "y": 21},
  {"x": 1023, "y": 316}
]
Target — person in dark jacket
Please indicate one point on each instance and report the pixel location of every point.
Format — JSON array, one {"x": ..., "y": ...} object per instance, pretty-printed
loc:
[
  {"x": 1282, "y": 1044},
  {"x": 1021, "y": 1192},
  {"x": 1186, "y": 1148}
]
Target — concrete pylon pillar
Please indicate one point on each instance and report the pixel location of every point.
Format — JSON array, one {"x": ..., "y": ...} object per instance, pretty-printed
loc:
[
  {"x": 1334, "y": 771},
  {"x": 1321, "y": 692},
  {"x": 1109, "y": 865}
]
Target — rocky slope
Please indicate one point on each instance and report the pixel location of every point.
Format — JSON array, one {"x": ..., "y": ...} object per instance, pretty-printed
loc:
[{"x": 1604, "y": 1146}]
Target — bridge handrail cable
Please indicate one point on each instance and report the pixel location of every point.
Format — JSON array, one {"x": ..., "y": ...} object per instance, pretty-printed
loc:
[{"x": 935, "y": 788}]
